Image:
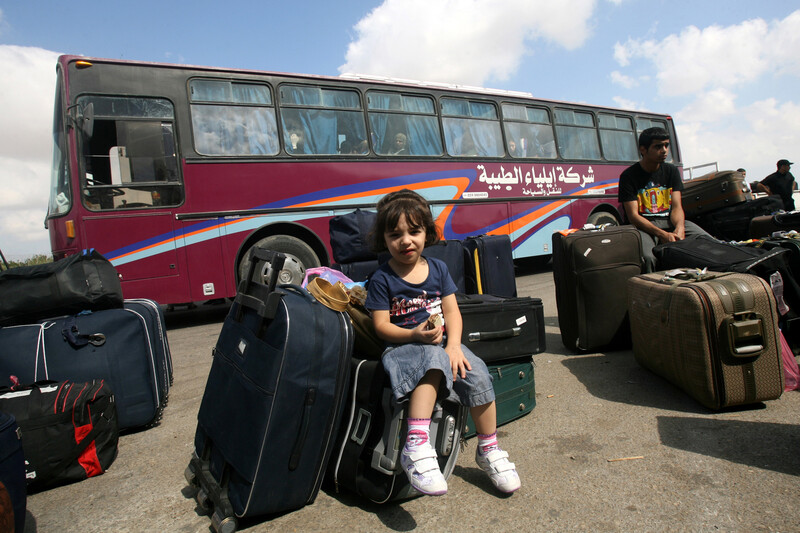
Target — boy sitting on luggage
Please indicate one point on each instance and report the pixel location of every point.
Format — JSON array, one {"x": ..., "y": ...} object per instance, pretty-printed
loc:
[
  {"x": 650, "y": 193},
  {"x": 410, "y": 297}
]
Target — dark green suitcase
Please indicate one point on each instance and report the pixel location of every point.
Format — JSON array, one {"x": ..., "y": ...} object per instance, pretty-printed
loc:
[{"x": 515, "y": 392}]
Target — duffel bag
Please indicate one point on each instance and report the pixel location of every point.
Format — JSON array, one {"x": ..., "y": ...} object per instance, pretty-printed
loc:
[
  {"x": 69, "y": 430},
  {"x": 80, "y": 282},
  {"x": 350, "y": 236}
]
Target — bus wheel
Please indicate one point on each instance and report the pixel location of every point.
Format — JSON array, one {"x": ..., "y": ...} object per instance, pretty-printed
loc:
[
  {"x": 602, "y": 217},
  {"x": 299, "y": 257}
]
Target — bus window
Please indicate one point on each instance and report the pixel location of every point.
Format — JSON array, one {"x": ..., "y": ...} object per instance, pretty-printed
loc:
[
  {"x": 471, "y": 128},
  {"x": 317, "y": 121},
  {"x": 643, "y": 123},
  {"x": 233, "y": 118},
  {"x": 130, "y": 159},
  {"x": 403, "y": 125},
  {"x": 616, "y": 137},
  {"x": 577, "y": 137},
  {"x": 528, "y": 132}
]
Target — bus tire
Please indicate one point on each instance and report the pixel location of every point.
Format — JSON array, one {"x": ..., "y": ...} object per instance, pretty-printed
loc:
[
  {"x": 299, "y": 257},
  {"x": 602, "y": 217}
]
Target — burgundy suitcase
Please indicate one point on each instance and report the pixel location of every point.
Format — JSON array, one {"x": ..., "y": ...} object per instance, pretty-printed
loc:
[{"x": 765, "y": 226}]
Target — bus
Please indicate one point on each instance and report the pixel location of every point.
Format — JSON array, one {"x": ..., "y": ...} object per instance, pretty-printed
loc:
[{"x": 175, "y": 172}]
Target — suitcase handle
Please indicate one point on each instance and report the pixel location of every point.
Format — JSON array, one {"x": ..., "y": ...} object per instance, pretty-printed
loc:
[
  {"x": 259, "y": 294},
  {"x": 744, "y": 335},
  {"x": 476, "y": 336}
]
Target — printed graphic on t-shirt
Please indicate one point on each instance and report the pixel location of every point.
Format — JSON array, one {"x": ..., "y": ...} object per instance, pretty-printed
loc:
[
  {"x": 655, "y": 201},
  {"x": 404, "y": 307}
]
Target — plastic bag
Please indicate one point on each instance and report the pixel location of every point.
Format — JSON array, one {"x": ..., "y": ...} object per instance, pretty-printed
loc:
[
  {"x": 328, "y": 274},
  {"x": 791, "y": 372}
]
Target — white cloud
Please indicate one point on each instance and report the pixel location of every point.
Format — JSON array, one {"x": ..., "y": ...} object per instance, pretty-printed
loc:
[
  {"x": 619, "y": 78},
  {"x": 462, "y": 41},
  {"x": 28, "y": 88},
  {"x": 711, "y": 106},
  {"x": 718, "y": 56},
  {"x": 625, "y": 103}
]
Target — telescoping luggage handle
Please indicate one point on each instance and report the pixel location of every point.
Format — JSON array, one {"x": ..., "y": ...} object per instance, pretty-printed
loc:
[
  {"x": 741, "y": 333},
  {"x": 257, "y": 290}
]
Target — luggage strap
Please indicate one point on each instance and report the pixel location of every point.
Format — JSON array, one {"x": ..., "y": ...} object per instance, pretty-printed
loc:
[{"x": 77, "y": 339}]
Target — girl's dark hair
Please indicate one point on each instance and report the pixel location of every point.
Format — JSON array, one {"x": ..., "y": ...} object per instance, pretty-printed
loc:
[{"x": 413, "y": 206}]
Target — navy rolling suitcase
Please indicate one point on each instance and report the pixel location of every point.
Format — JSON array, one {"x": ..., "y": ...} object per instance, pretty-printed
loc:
[
  {"x": 451, "y": 251},
  {"x": 366, "y": 459},
  {"x": 273, "y": 401},
  {"x": 12, "y": 470},
  {"x": 117, "y": 345},
  {"x": 490, "y": 266},
  {"x": 502, "y": 329}
]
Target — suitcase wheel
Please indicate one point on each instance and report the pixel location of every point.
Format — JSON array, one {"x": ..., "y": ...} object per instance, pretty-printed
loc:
[
  {"x": 203, "y": 502},
  {"x": 223, "y": 524},
  {"x": 190, "y": 476}
]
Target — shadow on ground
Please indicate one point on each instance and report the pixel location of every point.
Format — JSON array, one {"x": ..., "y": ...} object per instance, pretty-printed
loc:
[{"x": 764, "y": 445}]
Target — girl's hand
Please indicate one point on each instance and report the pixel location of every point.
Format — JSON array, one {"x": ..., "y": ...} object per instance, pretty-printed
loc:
[
  {"x": 423, "y": 335},
  {"x": 458, "y": 363}
]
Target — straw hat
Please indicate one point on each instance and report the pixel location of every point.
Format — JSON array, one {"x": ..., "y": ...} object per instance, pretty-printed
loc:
[{"x": 332, "y": 296}]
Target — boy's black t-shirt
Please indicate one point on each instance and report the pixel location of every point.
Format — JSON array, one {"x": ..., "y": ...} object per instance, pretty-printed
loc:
[{"x": 651, "y": 190}]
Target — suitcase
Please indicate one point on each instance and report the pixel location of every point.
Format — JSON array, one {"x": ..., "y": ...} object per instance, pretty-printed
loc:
[
  {"x": 515, "y": 393},
  {"x": 12, "y": 470},
  {"x": 85, "y": 281},
  {"x": 366, "y": 459},
  {"x": 451, "y": 251},
  {"x": 733, "y": 223},
  {"x": 766, "y": 225},
  {"x": 715, "y": 335},
  {"x": 273, "y": 401},
  {"x": 117, "y": 345},
  {"x": 490, "y": 266},
  {"x": 590, "y": 270},
  {"x": 713, "y": 191},
  {"x": 69, "y": 430},
  {"x": 500, "y": 329},
  {"x": 358, "y": 270},
  {"x": 350, "y": 236}
]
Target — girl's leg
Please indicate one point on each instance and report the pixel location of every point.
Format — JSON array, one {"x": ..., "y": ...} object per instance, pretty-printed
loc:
[
  {"x": 418, "y": 457},
  {"x": 485, "y": 417}
]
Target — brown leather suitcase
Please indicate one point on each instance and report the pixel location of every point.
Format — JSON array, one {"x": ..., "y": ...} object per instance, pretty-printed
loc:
[
  {"x": 715, "y": 335},
  {"x": 765, "y": 226},
  {"x": 713, "y": 191}
]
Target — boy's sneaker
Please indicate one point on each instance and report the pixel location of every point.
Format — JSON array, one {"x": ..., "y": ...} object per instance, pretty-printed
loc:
[
  {"x": 501, "y": 471},
  {"x": 422, "y": 470}
]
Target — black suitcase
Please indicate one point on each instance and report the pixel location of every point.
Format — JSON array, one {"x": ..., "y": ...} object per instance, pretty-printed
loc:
[
  {"x": 451, "y": 251},
  {"x": 515, "y": 393},
  {"x": 490, "y": 266},
  {"x": 733, "y": 223},
  {"x": 500, "y": 329},
  {"x": 590, "y": 271},
  {"x": 273, "y": 401},
  {"x": 85, "y": 281},
  {"x": 366, "y": 459},
  {"x": 12, "y": 469},
  {"x": 766, "y": 225},
  {"x": 357, "y": 270},
  {"x": 350, "y": 236},
  {"x": 117, "y": 345},
  {"x": 714, "y": 191}
]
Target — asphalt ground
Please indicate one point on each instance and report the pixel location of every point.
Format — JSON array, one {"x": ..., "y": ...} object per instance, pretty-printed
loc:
[{"x": 608, "y": 447}]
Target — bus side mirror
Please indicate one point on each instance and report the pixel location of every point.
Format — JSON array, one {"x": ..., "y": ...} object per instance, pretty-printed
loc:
[{"x": 82, "y": 118}]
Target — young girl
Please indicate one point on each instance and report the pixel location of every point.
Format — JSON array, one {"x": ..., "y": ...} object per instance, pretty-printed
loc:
[{"x": 404, "y": 294}]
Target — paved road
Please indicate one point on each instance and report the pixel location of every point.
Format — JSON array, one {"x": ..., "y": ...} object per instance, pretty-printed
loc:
[{"x": 698, "y": 471}]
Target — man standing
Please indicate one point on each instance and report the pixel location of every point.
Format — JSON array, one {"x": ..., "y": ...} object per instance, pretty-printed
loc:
[
  {"x": 781, "y": 183},
  {"x": 650, "y": 193}
]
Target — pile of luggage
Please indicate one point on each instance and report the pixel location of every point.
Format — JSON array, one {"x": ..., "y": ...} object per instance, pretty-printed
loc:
[
  {"x": 722, "y": 204},
  {"x": 707, "y": 321},
  {"x": 78, "y": 365},
  {"x": 297, "y": 398}
]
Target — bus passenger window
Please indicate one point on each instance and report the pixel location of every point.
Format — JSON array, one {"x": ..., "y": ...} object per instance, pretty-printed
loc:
[
  {"x": 530, "y": 131},
  {"x": 471, "y": 128},
  {"x": 616, "y": 137},
  {"x": 577, "y": 137},
  {"x": 403, "y": 124}
]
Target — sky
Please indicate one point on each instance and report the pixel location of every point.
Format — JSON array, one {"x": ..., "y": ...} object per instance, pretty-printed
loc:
[{"x": 728, "y": 71}]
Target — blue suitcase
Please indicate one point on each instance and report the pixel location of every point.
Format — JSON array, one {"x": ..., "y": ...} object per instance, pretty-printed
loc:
[
  {"x": 490, "y": 266},
  {"x": 273, "y": 401},
  {"x": 12, "y": 469},
  {"x": 120, "y": 346}
]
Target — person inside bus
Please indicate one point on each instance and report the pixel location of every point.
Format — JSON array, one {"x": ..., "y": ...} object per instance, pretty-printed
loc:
[
  {"x": 346, "y": 147},
  {"x": 400, "y": 145},
  {"x": 513, "y": 151},
  {"x": 781, "y": 183},
  {"x": 650, "y": 193},
  {"x": 360, "y": 148}
]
